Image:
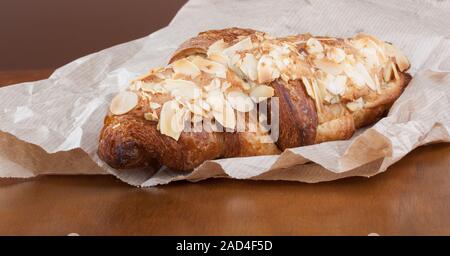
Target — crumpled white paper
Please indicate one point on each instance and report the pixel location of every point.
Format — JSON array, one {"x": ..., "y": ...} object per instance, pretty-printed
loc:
[{"x": 52, "y": 126}]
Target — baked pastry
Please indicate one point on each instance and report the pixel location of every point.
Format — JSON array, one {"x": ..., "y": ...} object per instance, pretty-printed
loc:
[{"x": 189, "y": 111}]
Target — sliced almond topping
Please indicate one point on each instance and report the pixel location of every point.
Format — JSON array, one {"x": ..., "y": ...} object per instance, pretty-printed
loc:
[
  {"x": 313, "y": 46},
  {"x": 152, "y": 87},
  {"x": 226, "y": 117},
  {"x": 336, "y": 85},
  {"x": 168, "y": 112},
  {"x": 261, "y": 93},
  {"x": 356, "y": 105},
  {"x": 369, "y": 81},
  {"x": 154, "y": 105},
  {"x": 267, "y": 71},
  {"x": 245, "y": 44},
  {"x": 280, "y": 56},
  {"x": 323, "y": 92},
  {"x": 357, "y": 78},
  {"x": 308, "y": 87},
  {"x": 151, "y": 116},
  {"x": 186, "y": 93},
  {"x": 178, "y": 120},
  {"x": 217, "y": 47},
  {"x": 210, "y": 67},
  {"x": 182, "y": 88},
  {"x": 235, "y": 81},
  {"x": 233, "y": 64},
  {"x": 301, "y": 68},
  {"x": 249, "y": 66},
  {"x": 219, "y": 57},
  {"x": 276, "y": 52},
  {"x": 402, "y": 61},
  {"x": 215, "y": 84},
  {"x": 329, "y": 66},
  {"x": 400, "y": 58},
  {"x": 370, "y": 57},
  {"x": 215, "y": 52},
  {"x": 394, "y": 69},
  {"x": 235, "y": 60},
  {"x": 216, "y": 100},
  {"x": 317, "y": 95},
  {"x": 363, "y": 41},
  {"x": 240, "y": 101},
  {"x": 340, "y": 83},
  {"x": 381, "y": 51},
  {"x": 185, "y": 67},
  {"x": 387, "y": 72},
  {"x": 337, "y": 55},
  {"x": 123, "y": 102}
]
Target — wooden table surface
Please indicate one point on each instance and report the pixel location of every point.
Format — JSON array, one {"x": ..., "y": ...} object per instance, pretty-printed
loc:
[{"x": 411, "y": 198}]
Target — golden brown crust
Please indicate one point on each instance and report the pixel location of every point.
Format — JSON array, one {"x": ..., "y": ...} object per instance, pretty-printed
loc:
[
  {"x": 200, "y": 43},
  {"x": 298, "y": 116},
  {"x": 337, "y": 129}
]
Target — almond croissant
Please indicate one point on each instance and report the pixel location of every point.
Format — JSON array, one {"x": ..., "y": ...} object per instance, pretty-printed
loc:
[{"x": 325, "y": 89}]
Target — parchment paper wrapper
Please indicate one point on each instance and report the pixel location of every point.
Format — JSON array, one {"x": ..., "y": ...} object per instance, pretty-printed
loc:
[{"x": 52, "y": 126}]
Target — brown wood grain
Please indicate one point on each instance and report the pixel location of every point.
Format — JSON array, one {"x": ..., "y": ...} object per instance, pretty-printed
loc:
[{"x": 411, "y": 198}]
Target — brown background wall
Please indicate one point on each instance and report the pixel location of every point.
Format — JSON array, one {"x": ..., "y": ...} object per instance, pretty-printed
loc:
[{"x": 50, "y": 33}]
